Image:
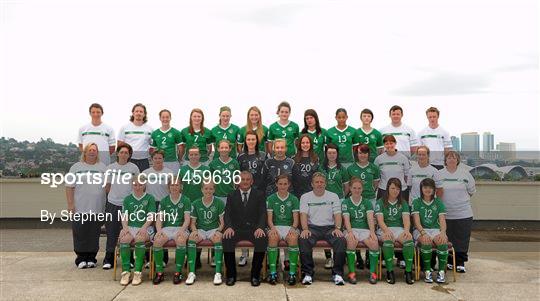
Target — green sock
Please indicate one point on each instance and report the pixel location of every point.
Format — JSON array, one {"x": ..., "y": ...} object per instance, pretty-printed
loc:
[
  {"x": 140, "y": 249},
  {"x": 191, "y": 255},
  {"x": 125, "y": 254},
  {"x": 293, "y": 259},
  {"x": 425, "y": 250},
  {"x": 442, "y": 255},
  {"x": 272, "y": 258},
  {"x": 218, "y": 257},
  {"x": 373, "y": 260},
  {"x": 388, "y": 253},
  {"x": 408, "y": 254},
  {"x": 158, "y": 259},
  {"x": 180, "y": 257},
  {"x": 351, "y": 260}
]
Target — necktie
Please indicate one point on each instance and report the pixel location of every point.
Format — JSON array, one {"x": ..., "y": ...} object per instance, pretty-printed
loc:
[{"x": 244, "y": 198}]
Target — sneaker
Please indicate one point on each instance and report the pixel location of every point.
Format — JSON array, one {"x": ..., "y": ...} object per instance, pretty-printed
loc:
[
  {"x": 329, "y": 263},
  {"x": 292, "y": 279},
  {"x": 461, "y": 269},
  {"x": 402, "y": 264},
  {"x": 82, "y": 265},
  {"x": 307, "y": 280},
  {"x": 190, "y": 278},
  {"x": 126, "y": 277},
  {"x": 217, "y": 279},
  {"x": 449, "y": 267},
  {"x": 428, "y": 277},
  {"x": 91, "y": 265},
  {"x": 373, "y": 278},
  {"x": 158, "y": 278},
  {"x": 177, "y": 278},
  {"x": 272, "y": 278},
  {"x": 441, "y": 277},
  {"x": 338, "y": 280},
  {"x": 107, "y": 266},
  {"x": 409, "y": 279},
  {"x": 351, "y": 278},
  {"x": 137, "y": 278},
  {"x": 390, "y": 277},
  {"x": 243, "y": 261}
]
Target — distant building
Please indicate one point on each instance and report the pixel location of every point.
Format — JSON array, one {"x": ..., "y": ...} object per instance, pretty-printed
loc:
[
  {"x": 470, "y": 144},
  {"x": 507, "y": 151},
  {"x": 455, "y": 143},
  {"x": 488, "y": 146}
]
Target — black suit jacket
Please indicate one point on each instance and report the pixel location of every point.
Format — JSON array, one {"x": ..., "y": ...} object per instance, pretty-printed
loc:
[{"x": 249, "y": 217}]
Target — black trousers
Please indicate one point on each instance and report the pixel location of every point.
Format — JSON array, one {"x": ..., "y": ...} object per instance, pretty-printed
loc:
[
  {"x": 112, "y": 227},
  {"x": 86, "y": 240},
  {"x": 142, "y": 164},
  {"x": 459, "y": 233},
  {"x": 229, "y": 246},
  {"x": 306, "y": 249}
]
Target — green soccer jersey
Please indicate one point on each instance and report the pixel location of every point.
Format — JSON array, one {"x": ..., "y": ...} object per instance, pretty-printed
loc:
[
  {"x": 344, "y": 140},
  {"x": 192, "y": 180},
  {"x": 357, "y": 212},
  {"x": 174, "y": 211},
  {"x": 393, "y": 214},
  {"x": 429, "y": 212},
  {"x": 368, "y": 174},
  {"x": 197, "y": 139},
  {"x": 230, "y": 134},
  {"x": 138, "y": 209},
  {"x": 335, "y": 178},
  {"x": 207, "y": 216},
  {"x": 289, "y": 132},
  {"x": 262, "y": 144},
  {"x": 226, "y": 172},
  {"x": 282, "y": 209},
  {"x": 318, "y": 142},
  {"x": 373, "y": 139},
  {"x": 167, "y": 142}
]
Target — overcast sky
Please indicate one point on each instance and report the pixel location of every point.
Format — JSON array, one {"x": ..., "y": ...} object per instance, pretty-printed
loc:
[{"x": 477, "y": 61}]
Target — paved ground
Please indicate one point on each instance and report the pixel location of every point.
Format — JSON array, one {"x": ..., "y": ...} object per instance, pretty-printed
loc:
[{"x": 45, "y": 271}]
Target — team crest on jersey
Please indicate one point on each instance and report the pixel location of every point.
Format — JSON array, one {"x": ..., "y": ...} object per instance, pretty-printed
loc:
[
  {"x": 230, "y": 131},
  {"x": 169, "y": 135},
  {"x": 347, "y": 133},
  {"x": 285, "y": 167},
  {"x": 288, "y": 204},
  {"x": 213, "y": 209},
  {"x": 145, "y": 203},
  {"x": 231, "y": 166},
  {"x": 289, "y": 129},
  {"x": 372, "y": 136}
]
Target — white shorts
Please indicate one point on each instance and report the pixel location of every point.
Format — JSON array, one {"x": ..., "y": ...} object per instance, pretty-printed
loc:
[
  {"x": 430, "y": 232},
  {"x": 174, "y": 166},
  {"x": 359, "y": 234},
  {"x": 395, "y": 230},
  {"x": 172, "y": 232},
  {"x": 283, "y": 231},
  {"x": 206, "y": 234},
  {"x": 150, "y": 230}
]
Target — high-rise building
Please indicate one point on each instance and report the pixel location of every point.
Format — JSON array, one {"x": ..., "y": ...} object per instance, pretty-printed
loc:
[
  {"x": 455, "y": 143},
  {"x": 488, "y": 142},
  {"x": 507, "y": 150},
  {"x": 470, "y": 144}
]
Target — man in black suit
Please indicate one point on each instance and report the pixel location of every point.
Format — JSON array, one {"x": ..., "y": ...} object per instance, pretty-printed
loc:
[{"x": 245, "y": 219}]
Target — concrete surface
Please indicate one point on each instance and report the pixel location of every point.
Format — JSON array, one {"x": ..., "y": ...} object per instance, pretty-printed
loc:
[{"x": 45, "y": 271}]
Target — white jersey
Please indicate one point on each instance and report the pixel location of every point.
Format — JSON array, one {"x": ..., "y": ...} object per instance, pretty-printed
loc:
[
  {"x": 457, "y": 190},
  {"x": 102, "y": 135},
  {"x": 416, "y": 175},
  {"x": 120, "y": 190},
  {"x": 139, "y": 137},
  {"x": 396, "y": 166},
  {"x": 156, "y": 184},
  {"x": 436, "y": 140},
  {"x": 405, "y": 137},
  {"x": 320, "y": 209},
  {"x": 89, "y": 192}
]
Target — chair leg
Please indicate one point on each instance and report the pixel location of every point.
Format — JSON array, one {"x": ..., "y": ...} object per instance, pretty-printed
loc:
[
  {"x": 115, "y": 262},
  {"x": 151, "y": 263},
  {"x": 380, "y": 265},
  {"x": 454, "y": 264},
  {"x": 208, "y": 256}
]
